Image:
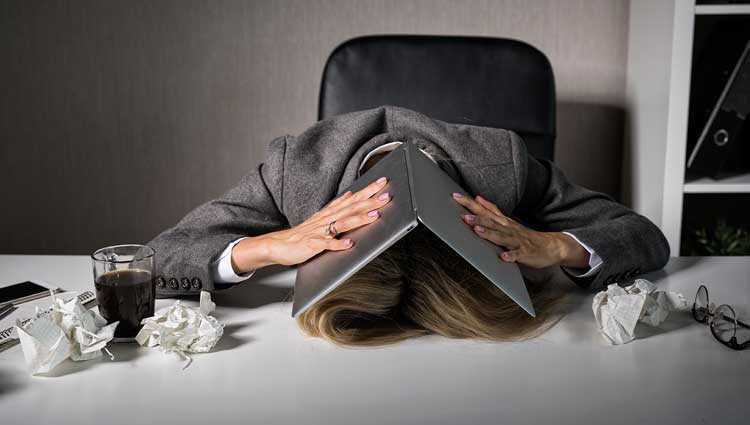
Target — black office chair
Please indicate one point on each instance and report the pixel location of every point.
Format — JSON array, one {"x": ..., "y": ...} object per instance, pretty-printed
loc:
[{"x": 491, "y": 82}]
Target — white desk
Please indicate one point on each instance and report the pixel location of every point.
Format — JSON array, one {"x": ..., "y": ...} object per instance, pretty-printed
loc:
[{"x": 265, "y": 371}]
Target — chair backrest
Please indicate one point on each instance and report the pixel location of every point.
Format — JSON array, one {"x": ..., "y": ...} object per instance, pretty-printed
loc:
[{"x": 490, "y": 82}]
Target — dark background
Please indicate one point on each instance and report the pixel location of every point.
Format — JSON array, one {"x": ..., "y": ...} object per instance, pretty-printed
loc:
[{"x": 118, "y": 117}]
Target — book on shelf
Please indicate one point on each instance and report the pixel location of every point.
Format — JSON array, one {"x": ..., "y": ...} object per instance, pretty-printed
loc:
[{"x": 722, "y": 145}]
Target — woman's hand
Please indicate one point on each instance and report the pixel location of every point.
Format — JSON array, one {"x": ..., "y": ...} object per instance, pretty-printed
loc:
[
  {"x": 524, "y": 246},
  {"x": 299, "y": 243}
]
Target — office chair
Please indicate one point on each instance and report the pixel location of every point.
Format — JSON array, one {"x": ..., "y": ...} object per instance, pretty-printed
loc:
[{"x": 492, "y": 82}]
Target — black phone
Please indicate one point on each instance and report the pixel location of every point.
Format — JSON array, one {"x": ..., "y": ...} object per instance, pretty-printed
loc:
[{"x": 24, "y": 291}]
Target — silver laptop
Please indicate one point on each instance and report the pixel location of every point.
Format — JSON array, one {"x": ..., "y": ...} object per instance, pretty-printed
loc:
[{"x": 422, "y": 193}]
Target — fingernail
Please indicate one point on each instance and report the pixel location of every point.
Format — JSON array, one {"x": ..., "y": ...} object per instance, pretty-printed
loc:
[
  {"x": 469, "y": 217},
  {"x": 381, "y": 180},
  {"x": 373, "y": 213},
  {"x": 505, "y": 255},
  {"x": 383, "y": 196},
  {"x": 347, "y": 242},
  {"x": 479, "y": 229},
  {"x": 457, "y": 195}
]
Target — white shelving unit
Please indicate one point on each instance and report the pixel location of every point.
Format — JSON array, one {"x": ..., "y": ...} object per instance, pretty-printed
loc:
[
  {"x": 658, "y": 93},
  {"x": 723, "y": 9},
  {"x": 736, "y": 184}
]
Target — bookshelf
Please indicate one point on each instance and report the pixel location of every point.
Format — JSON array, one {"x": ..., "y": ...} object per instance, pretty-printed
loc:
[
  {"x": 663, "y": 36},
  {"x": 722, "y": 9},
  {"x": 734, "y": 184}
]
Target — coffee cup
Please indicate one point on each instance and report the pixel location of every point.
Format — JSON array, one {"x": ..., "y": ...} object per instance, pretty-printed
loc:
[{"x": 124, "y": 286}]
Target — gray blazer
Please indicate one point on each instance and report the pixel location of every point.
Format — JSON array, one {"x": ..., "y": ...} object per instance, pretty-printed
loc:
[{"x": 301, "y": 174}]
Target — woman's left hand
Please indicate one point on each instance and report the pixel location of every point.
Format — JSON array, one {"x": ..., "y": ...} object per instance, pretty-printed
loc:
[{"x": 524, "y": 245}]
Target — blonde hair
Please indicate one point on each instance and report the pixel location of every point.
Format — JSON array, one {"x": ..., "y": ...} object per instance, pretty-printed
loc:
[{"x": 420, "y": 286}]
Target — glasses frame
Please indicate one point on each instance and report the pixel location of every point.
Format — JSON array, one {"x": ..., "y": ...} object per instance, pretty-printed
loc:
[{"x": 709, "y": 312}]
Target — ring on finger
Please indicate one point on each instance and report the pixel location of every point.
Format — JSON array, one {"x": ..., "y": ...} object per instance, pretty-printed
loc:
[{"x": 331, "y": 229}]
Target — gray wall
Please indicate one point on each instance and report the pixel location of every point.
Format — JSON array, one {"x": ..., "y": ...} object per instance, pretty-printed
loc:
[{"x": 116, "y": 118}]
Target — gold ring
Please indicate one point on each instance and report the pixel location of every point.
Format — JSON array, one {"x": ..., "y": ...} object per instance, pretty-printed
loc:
[{"x": 331, "y": 230}]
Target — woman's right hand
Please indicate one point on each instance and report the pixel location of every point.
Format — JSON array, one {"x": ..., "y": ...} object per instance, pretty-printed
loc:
[{"x": 299, "y": 243}]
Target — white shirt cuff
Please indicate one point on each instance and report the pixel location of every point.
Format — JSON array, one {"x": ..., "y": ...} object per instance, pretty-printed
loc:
[
  {"x": 222, "y": 270},
  {"x": 595, "y": 261}
]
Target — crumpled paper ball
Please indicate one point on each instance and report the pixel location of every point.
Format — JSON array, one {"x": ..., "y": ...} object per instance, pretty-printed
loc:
[
  {"x": 68, "y": 330},
  {"x": 182, "y": 329},
  {"x": 618, "y": 310}
]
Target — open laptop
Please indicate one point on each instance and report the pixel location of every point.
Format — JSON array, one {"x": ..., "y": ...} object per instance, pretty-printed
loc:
[{"x": 422, "y": 193}]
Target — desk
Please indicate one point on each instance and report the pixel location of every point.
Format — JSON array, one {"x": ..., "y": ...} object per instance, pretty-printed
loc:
[{"x": 265, "y": 371}]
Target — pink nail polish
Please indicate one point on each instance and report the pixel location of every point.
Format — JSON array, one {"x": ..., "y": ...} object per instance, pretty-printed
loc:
[
  {"x": 383, "y": 196},
  {"x": 381, "y": 180},
  {"x": 479, "y": 229},
  {"x": 469, "y": 217},
  {"x": 347, "y": 242},
  {"x": 373, "y": 213},
  {"x": 457, "y": 195}
]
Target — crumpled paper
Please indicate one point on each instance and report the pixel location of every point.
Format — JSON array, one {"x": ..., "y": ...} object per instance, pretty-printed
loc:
[
  {"x": 182, "y": 329},
  {"x": 68, "y": 330},
  {"x": 618, "y": 310}
]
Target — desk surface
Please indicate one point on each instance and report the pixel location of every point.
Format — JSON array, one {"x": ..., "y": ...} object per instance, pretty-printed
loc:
[{"x": 265, "y": 371}]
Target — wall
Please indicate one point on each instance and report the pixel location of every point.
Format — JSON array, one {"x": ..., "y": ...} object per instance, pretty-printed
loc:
[{"x": 116, "y": 118}]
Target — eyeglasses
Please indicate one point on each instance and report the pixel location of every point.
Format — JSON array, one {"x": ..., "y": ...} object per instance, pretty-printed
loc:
[{"x": 722, "y": 320}]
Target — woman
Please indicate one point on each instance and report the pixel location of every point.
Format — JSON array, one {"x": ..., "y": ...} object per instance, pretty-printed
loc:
[{"x": 282, "y": 213}]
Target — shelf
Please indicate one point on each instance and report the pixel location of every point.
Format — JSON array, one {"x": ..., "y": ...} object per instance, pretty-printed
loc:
[
  {"x": 736, "y": 184},
  {"x": 723, "y": 9}
]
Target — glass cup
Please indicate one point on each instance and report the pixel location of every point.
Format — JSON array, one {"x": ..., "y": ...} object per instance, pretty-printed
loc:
[{"x": 124, "y": 283}]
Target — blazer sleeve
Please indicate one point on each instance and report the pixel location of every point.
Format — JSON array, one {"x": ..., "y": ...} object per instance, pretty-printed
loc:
[
  {"x": 251, "y": 208},
  {"x": 628, "y": 243}
]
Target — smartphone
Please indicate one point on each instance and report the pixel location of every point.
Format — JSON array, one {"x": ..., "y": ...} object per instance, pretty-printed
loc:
[{"x": 25, "y": 291}]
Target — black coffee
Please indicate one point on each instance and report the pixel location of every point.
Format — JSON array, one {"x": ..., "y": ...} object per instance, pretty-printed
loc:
[{"x": 126, "y": 296}]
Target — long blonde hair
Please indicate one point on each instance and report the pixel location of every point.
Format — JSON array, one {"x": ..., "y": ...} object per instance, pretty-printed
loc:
[{"x": 421, "y": 286}]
